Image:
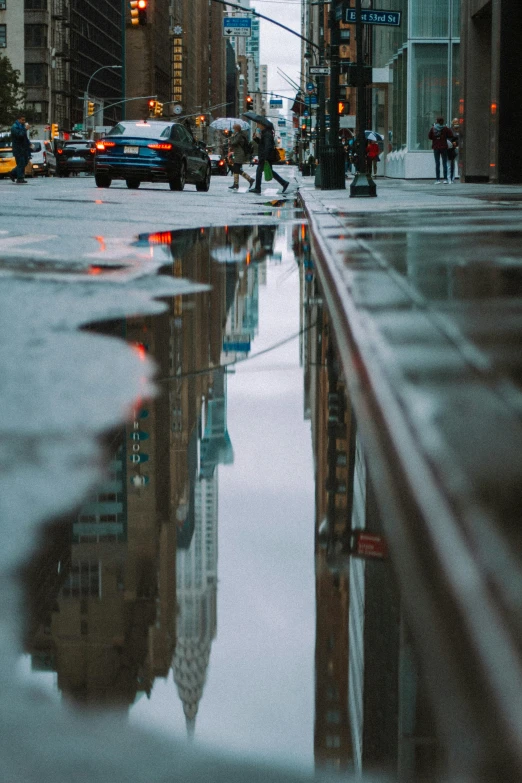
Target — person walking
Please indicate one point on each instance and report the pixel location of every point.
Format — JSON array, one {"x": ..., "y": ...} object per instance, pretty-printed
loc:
[
  {"x": 21, "y": 149},
  {"x": 239, "y": 153},
  {"x": 453, "y": 151},
  {"x": 440, "y": 136},
  {"x": 372, "y": 158},
  {"x": 267, "y": 154}
]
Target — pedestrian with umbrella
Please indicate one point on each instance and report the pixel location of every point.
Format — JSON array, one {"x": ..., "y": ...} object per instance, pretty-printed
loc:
[
  {"x": 239, "y": 152},
  {"x": 266, "y": 152}
]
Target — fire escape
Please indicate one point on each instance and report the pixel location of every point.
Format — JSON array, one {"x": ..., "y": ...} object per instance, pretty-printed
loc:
[{"x": 61, "y": 62}]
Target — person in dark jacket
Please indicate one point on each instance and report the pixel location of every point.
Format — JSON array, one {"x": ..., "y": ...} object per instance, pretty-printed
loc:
[
  {"x": 440, "y": 134},
  {"x": 454, "y": 150},
  {"x": 237, "y": 155},
  {"x": 21, "y": 149},
  {"x": 266, "y": 152}
]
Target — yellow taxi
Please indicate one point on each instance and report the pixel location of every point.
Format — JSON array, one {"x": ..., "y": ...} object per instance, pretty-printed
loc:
[{"x": 7, "y": 161}]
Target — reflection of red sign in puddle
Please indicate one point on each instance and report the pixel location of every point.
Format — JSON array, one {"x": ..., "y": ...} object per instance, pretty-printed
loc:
[{"x": 370, "y": 545}]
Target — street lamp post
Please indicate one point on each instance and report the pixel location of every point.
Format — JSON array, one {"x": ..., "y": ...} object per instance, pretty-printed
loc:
[
  {"x": 363, "y": 186},
  {"x": 86, "y": 93}
]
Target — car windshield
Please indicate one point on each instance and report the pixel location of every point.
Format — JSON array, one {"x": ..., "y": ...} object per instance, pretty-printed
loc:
[
  {"x": 78, "y": 145},
  {"x": 145, "y": 130},
  {"x": 8, "y": 153},
  {"x": 215, "y": 157}
]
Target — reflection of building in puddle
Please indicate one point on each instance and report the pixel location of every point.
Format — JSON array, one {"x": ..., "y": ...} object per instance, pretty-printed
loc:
[
  {"x": 371, "y": 711},
  {"x": 102, "y": 587},
  {"x": 197, "y": 563}
]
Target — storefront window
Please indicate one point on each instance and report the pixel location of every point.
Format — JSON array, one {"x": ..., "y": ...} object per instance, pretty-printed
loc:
[
  {"x": 429, "y": 18},
  {"x": 455, "y": 81},
  {"x": 455, "y": 16},
  {"x": 400, "y": 75},
  {"x": 429, "y": 98}
]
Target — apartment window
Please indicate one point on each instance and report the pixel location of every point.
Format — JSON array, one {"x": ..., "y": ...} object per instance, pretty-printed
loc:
[
  {"x": 333, "y": 716},
  {"x": 83, "y": 580},
  {"x": 333, "y": 741},
  {"x": 2, "y": 5},
  {"x": 3, "y": 35},
  {"x": 35, "y": 5},
  {"x": 36, "y": 74},
  {"x": 35, "y": 36}
]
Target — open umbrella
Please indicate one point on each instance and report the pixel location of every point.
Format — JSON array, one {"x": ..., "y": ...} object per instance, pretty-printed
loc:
[
  {"x": 373, "y": 136},
  {"x": 260, "y": 118},
  {"x": 227, "y": 123}
]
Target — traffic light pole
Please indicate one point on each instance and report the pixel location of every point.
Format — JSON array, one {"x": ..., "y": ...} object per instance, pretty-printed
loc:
[
  {"x": 363, "y": 186},
  {"x": 331, "y": 155}
]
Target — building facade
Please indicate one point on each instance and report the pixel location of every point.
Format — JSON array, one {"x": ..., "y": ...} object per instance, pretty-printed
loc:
[
  {"x": 422, "y": 58},
  {"x": 492, "y": 90}
]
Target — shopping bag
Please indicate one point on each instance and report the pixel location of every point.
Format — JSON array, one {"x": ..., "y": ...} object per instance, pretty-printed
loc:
[{"x": 268, "y": 171}]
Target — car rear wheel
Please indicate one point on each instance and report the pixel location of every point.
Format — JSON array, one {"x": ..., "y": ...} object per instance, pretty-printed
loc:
[
  {"x": 178, "y": 182},
  {"x": 204, "y": 186},
  {"x": 133, "y": 184},
  {"x": 102, "y": 181}
]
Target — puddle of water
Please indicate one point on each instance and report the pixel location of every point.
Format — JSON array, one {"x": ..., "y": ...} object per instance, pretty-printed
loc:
[{"x": 182, "y": 592}]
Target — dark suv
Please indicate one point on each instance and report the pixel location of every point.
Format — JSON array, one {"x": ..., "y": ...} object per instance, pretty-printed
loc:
[{"x": 70, "y": 157}]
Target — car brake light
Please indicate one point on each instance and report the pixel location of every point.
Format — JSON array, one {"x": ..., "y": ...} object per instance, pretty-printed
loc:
[
  {"x": 60, "y": 152},
  {"x": 92, "y": 150},
  {"x": 101, "y": 145},
  {"x": 160, "y": 146},
  {"x": 221, "y": 162}
]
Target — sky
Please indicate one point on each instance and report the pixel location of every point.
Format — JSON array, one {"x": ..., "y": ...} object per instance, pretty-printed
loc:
[{"x": 278, "y": 47}]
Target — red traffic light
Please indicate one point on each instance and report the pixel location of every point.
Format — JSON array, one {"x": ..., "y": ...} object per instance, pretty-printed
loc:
[{"x": 142, "y": 4}]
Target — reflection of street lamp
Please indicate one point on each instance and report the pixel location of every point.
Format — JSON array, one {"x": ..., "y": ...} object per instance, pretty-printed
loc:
[{"x": 86, "y": 93}]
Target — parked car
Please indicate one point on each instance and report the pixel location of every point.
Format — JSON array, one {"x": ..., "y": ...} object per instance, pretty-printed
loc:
[
  {"x": 37, "y": 166},
  {"x": 152, "y": 151},
  {"x": 70, "y": 157},
  {"x": 219, "y": 165},
  {"x": 7, "y": 161}
]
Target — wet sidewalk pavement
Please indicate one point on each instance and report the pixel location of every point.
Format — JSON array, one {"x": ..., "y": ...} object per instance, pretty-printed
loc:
[{"x": 428, "y": 280}]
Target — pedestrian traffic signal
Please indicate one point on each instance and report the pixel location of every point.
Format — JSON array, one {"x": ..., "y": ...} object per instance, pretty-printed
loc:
[
  {"x": 90, "y": 108},
  {"x": 343, "y": 107},
  {"x": 138, "y": 12},
  {"x": 54, "y": 130},
  {"x": 249, "y": 102}
]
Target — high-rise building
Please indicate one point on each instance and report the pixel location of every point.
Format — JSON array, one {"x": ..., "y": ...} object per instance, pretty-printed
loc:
[
  {"x": 58, "y": 45},
  {"x": 491, "y": 107},
  {"x": 148, "y": 56},
  {"x": 419, "y": 62}
]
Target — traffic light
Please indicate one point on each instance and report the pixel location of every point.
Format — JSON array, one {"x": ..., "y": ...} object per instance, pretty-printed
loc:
[
  {"x": 249, "y": 102},
  {"x": 152, "y": 108},
  {"x": 202, "y": 119},
  {"x": 138, "y": 12},
  {"x": 54, "y": 130},
  {"x": 158, "y": 109},
  {"x": 90, "y": 108}
]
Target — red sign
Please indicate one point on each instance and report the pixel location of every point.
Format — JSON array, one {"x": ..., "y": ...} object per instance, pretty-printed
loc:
[{"x": 370, "y": 545}]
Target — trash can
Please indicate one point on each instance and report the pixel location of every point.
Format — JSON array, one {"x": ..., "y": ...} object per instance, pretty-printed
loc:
[{"x": 332, "y": 160}]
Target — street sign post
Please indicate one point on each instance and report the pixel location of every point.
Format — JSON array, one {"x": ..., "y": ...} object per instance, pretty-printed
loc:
[
  {"x": 320, "y": 70},
  {"x": 237, "y": 25},
  {"x": 373, "y": 16}
]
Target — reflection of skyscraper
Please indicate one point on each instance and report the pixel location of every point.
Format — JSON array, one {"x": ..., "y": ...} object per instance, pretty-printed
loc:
[{"x": 197, "y": 565}]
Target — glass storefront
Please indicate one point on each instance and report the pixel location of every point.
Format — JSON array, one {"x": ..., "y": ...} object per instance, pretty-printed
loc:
[{"x": 423, "y": 57}]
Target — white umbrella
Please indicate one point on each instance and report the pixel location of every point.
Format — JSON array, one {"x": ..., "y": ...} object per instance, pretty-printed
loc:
[
  {"x": 373, "y": 136},
  {"x": 226, "y": 123},
  {"x": 229, "y": 255}
]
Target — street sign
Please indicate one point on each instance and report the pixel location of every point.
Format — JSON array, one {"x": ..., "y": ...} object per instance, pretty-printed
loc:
[
  {"x": 237, "y": 25},
  {"x": 310, "y": 87},
  {"x": 320, "y": 69},
  {"x": 369, "y": 545},
  {"x": 373, "y": 16},
  {"x": 276, "y": 103},
  {"x": 313, "y": 100}
]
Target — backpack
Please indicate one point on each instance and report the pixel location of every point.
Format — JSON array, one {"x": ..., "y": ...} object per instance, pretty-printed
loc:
[{"x": 248, "y": 147}]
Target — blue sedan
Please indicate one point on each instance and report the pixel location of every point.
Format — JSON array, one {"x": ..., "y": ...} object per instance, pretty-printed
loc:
[{"x": 151, "y": 151}]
